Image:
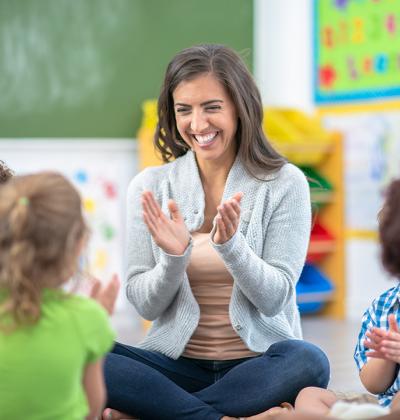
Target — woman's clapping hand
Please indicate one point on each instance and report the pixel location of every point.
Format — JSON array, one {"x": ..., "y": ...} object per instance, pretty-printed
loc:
[
  {"x": 169, "y": 233},
  {"x": 227, "y": 219}
]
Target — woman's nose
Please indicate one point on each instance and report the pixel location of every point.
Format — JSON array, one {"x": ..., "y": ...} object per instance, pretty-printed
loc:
[{"x": 198, "y": 122}]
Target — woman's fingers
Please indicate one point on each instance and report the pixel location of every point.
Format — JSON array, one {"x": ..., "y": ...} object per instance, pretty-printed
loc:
[
  {"x": 221, "y": 234},
  {"x": 230, "y": 211},
  {"x": 151, "y": 204},
  {"x": 150, "y": 223},
  {"x": 147, "y": 208},
  {"x": 153, "y": 210},
  {"x": 226, "y": 218},
  {"x": 238, "y": 196},
  {"x": 174, "y": 211},
  {"x": 169, "y": 233}
]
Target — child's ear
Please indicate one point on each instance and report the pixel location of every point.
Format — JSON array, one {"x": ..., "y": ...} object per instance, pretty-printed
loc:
[
  {"x": 82, "y": 243},
  {"x": 381, "y": 213}
]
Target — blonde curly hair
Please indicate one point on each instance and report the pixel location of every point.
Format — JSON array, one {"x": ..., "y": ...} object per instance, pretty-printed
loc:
[{"x": 41, "y": 232}]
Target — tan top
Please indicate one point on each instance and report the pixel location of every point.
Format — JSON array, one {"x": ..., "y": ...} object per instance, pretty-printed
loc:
[{"x": 211, "y": 283}]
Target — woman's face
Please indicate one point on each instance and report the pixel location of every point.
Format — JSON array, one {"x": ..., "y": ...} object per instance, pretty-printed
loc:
[{"x": 206, "y": 118}]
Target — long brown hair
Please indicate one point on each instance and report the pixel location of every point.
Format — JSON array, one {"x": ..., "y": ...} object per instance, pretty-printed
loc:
[
  {"x": 41, "y": 226},
  {"x": 389, "y": 230},
  {"x": 255, "y": 152}
]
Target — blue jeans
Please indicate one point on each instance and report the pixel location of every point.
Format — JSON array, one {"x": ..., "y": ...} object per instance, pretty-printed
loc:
[{"x": 152, "y": 386}]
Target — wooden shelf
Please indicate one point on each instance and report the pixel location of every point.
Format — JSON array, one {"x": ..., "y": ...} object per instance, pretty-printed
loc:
[
  {"x": 332, "y": 217},
  {"x": 326, "y": 248}
]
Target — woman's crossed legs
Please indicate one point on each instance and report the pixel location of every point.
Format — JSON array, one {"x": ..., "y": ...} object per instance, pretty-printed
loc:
[{"x": 150, "y": 385}]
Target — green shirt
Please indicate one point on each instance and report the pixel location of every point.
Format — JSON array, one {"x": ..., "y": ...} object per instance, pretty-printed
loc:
[{"x": 41, "y": 366}]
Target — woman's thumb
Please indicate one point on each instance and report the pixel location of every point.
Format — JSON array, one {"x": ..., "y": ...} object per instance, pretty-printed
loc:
[
  {"x": 174, "y": 211},
  {"x": 238, "y": 196}
]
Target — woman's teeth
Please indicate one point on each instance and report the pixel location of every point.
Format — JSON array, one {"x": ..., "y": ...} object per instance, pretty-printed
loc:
[{"x": 205, "y": 139}]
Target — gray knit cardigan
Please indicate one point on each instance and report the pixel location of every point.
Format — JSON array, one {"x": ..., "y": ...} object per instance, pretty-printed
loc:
[{"x": 264, "y": 257}]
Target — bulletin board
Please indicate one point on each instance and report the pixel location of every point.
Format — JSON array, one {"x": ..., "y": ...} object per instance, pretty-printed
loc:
[
  {"x": 371, "y": 136},
  {"x": 372, "y": 160},
  {"x": 101, "y": 171},
  {"x": 356, "y": 50}
]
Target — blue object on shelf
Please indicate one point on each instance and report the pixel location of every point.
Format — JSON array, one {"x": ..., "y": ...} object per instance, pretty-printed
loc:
[{"x": 313, "y": 290}]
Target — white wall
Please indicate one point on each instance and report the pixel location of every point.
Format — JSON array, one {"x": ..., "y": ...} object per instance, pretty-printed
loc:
[
  {"x": 283, "y": 52},
  {"x": 366, "y": 277}
]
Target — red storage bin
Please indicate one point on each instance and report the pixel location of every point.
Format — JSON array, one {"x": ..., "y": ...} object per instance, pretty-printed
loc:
[{"x": 322, "y": 242}]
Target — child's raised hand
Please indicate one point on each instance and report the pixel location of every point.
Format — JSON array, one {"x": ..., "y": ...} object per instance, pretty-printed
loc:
[
  {"x": 385, "y": 344},
  {"x": 393, "y": 327},
  {"x": 373, "y": 340},
  {"x": 106, "y": 295},
  {"x": 390, "y": 345},
  {"x": 169, "y": 233},
  {"x": 227, "y": 219}
]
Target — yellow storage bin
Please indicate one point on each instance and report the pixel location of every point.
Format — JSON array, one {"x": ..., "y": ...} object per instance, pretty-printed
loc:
[
  {"x": 147, "y": 153},
  {"x": 299, "y": 137}
]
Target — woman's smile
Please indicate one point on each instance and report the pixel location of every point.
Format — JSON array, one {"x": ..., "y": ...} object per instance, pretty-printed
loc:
[
  {"x": 206, "y": 119},
  {"x": 205, "y": 140}
]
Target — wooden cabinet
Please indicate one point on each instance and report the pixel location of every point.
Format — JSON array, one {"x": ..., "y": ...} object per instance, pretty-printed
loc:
[
  {"x": 331, "y": 216},
  {"x": 320, "y": 154}
]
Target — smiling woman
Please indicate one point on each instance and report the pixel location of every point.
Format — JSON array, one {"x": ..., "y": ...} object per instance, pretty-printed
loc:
[
  {"x": 217, "y": 238},
  {"x": 206, "y": 120}
]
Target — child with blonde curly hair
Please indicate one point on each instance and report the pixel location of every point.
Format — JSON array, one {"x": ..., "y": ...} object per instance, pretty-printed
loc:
[{"x": 52, "y": 343}]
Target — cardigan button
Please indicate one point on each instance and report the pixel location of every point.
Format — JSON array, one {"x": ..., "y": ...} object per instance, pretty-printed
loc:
[
  {"x": 238, "y": 327},
  {"x": 196, "y": 212}
]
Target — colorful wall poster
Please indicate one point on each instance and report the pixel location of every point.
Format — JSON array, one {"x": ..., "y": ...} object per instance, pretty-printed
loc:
[
  {"x": 101, "y": 171},
  {"x": 372, "y": 160},
  {"x": 356, "y": 50}
]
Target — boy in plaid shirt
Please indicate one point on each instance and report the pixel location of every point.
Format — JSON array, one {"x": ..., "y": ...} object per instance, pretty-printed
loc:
[{"x": 377, "y": 353}]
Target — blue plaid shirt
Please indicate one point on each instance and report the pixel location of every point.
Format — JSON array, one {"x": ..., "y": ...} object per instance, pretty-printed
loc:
[{"x": 377, "y": 316}]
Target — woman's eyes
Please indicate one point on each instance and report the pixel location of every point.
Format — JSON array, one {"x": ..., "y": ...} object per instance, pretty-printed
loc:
[
  {"x": 207, "y": 108},
  {"x": 182, "y": 110},
  {"x": 213, "y": 108}
]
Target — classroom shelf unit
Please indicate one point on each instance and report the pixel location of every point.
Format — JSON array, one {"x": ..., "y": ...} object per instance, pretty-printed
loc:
[
  {"x": 332, "y": 217},
  {"x": 326, "y": 250}
]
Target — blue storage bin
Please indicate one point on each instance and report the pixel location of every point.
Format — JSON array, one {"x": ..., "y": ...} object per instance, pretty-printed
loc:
[{"x": 313, "y": 289}]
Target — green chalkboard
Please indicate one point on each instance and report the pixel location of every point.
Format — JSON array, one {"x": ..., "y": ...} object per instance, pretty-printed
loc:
[{"x": 81, "y": 68}]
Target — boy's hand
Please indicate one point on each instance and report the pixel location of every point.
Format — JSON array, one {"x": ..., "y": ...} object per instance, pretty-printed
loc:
[{"x": 384, "y": 344}]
